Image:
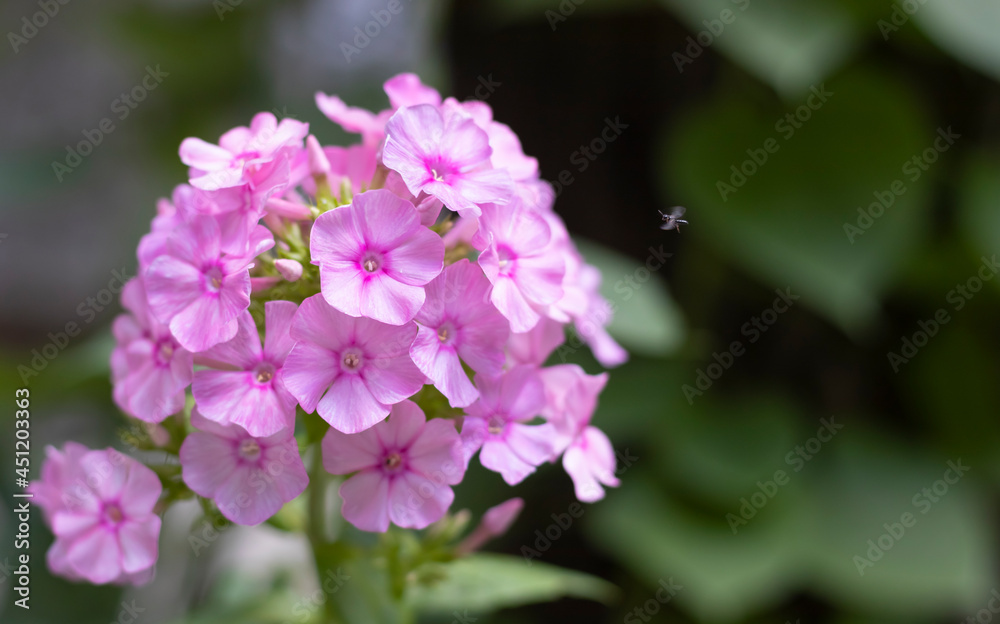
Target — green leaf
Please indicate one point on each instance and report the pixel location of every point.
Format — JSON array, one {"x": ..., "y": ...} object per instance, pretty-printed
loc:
[
  {"x": 967, "y": 29},
  {"x": 724, "y": 576},
  {"x": 646, "y": 320},
  {"x": 484, "y": 582},
  {"x": 786, "y": 220},
  {"x": 805, "y": 537},
  {"x": 979, "y": 203},
  {"x": 788, "y": 44}
]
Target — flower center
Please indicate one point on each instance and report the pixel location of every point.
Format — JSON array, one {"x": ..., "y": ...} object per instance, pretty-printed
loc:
[
  {"x": 393, "y": 461},
  {"x": 113, "y": 514},
  {"x": 371, "y": 262},
  {"x": 264, "y": 373},
  {"x": 495, "y": 426},
  {"x": 352, "y": 361},
  {"x": 504, "y": 258},
  {"x": 164, "y": 352},
  {"x": 213, "y": 278},
  {"x": 443, "y": 334},
  {"x": 249, "y": 449}
]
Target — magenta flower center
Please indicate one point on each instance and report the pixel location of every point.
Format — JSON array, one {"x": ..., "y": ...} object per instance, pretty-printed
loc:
[
  {"x": 392, "y": 462},
  {"x": 495, "y": 425},
  {"x": 213, "y": 279},
  {"x": 113, "y": 514},
  {"x": 264, "y": 372},
  {"x": 164, "y": 352},
  {"x": 505, "y": 256},
  {"x": 249, "y": 449},
  {"x": 446, "y": 332}
]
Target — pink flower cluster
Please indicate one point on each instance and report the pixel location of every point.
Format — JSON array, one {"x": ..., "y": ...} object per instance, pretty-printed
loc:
[{"x": 344, "y": 281}]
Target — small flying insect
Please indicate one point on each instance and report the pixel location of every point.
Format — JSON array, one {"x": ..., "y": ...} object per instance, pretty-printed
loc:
[{"x": 673, "y": 220}]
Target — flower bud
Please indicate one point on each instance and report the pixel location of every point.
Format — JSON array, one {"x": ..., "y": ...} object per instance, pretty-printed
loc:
[{"x": 291, "y": 270}]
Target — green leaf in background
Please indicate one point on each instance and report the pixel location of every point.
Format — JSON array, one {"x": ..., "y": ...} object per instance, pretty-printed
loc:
[
  {"x": 789, "y": 45},
  {"x": 483, "y": 583},
  {"x": 646, "y": 319},
  {"x": 979, "y": 204},
  {"x": 806, "y": 536},
  {"x": 786, "y": 220},
  {"x": 941, "y": 565},
  {"x": 724, "y": 576},
  {"x": 967, "y": 29},
  {"x": 716, "y": 450}
]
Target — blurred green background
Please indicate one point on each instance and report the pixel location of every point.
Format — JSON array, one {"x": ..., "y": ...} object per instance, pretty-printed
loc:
[{"x": 874, "y": 226}]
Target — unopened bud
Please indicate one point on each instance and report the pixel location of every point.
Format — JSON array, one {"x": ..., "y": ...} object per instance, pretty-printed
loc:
[{"x": 291, "y": 270}]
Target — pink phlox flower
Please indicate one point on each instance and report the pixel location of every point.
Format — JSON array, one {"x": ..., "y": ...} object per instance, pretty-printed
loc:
[
  {"x": 446, "y": 156},
  {"x": 588, "y": 457},
  {"x": 249, "y": 478},
  {"x": 197, "y": 289},
  {"x": 241, "y": 154},
  {"x": 403, "y": 467},
  {"x": 526, "y": 271},
  {"x": 496, "y": 423},
  {"x": 106, "y": 528},
  {"x": 248, "y": 390},
  {"x": 375, "y": 257},
  {"x": 457, "y": 323},
  {"x": 149, "y": 369},
  {"x": 350, "y": 370}
]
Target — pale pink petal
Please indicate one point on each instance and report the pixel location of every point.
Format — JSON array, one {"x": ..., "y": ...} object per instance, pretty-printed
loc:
[
  {"x": 95, "y": 556},
  {"x": 417, "y": 260},
  {"x": 408, "y": 90},
  {"x": 141, "y": 490},
  {"x": 138, "y": 541},
  {"x": 349, "y": 406},
  {"x": 386, "y": 300},
  {"x": 308, "y": 371},
  {"x": 207, "y": 461},
  {"x": 278, "y": 317},
  {"x": 203, "y": 155},
  {"x": 366, "y": 501},
  {"x": 343, "y": 453},
  {"x": 416, "y": 501},
  {"x": 247, "y": 498}
]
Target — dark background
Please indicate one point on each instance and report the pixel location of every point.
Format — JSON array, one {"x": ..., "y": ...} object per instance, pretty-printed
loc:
[{"x": 862, "y": 295}]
